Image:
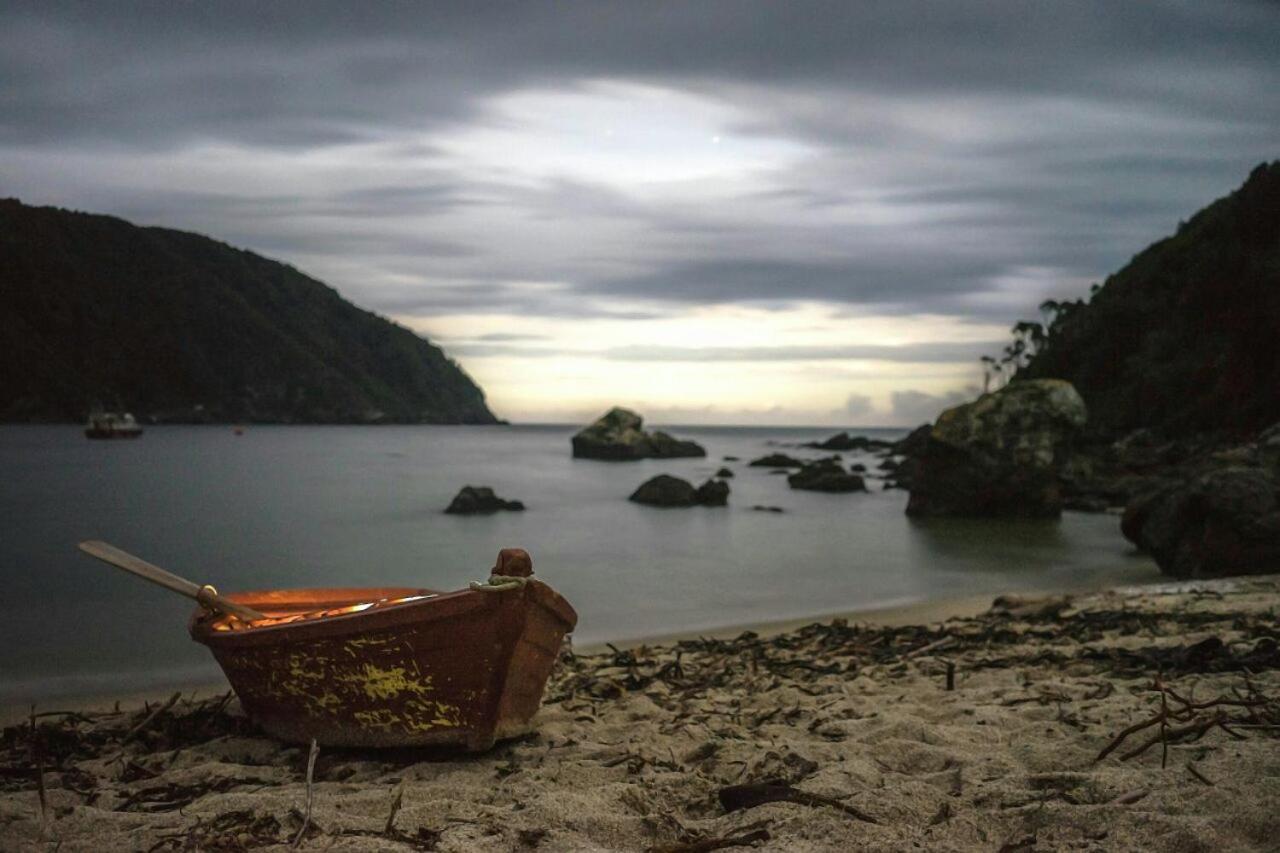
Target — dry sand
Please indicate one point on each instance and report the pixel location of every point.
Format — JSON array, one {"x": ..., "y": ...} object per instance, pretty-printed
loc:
[{"x": 635, "y": 751}]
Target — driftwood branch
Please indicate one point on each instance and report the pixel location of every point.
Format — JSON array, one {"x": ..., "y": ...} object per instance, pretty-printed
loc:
[{"x": 1180, "y": 720}]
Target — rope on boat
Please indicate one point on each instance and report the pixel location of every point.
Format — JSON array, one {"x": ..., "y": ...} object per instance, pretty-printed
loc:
[{"x": 499, "y": 583}]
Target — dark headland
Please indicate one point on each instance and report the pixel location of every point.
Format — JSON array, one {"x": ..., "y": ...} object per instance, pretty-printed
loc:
[{"x": 177, "y": 327}]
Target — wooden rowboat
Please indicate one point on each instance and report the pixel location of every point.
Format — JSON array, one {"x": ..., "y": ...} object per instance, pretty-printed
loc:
[{"x": 394, "y": 667}]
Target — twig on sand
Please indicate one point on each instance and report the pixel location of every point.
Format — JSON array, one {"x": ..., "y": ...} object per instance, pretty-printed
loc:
[
  {"x": 311, "y": 772},
  {"x": 37, "y": 764},
  {"x": 931, "y": 647},
  {"x": 1130, "y": 797},
  {"x": 1196, "y": 773},
  {"x": 736, "y": 797},
  {"x": 150, "y": 718},
  {"x": 390, "y": 827}
]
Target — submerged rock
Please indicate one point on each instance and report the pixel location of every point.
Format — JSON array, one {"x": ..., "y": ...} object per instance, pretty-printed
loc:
[
  {"x": 764, "y": 508},
  {"x": 1223, "y": 522},
  {"x": 618, "y": 436},
  {"x": 665, "y": 490},
  {"x": 475, "y": 500},
  {"x": 844, "y": 441},
  {"x": 724, "y": 473},
  {"x": 826, "y": 475},
  {"x": 712, "y": 493},
  {"x": 776, "y": 460},
  {"x": 998, "y": 455}
]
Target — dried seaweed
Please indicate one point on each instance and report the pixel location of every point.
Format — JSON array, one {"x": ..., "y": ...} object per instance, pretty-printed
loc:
[{"x": 737, "y": 797}]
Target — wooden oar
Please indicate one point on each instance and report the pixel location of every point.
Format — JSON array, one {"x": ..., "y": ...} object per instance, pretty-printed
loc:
[{"x": 136, "y": 565}]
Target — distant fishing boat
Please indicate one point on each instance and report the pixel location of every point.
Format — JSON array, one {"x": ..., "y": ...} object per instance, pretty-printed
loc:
[{"x": 111, "y": 425}]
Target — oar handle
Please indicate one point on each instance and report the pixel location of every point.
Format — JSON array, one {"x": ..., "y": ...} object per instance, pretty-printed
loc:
[{"x": 206, "y": 595}]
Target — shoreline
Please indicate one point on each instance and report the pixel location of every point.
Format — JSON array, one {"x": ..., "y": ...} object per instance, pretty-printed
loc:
[
  {"x": 919, "y": 612},
  {"x": 914, "y": 613}
]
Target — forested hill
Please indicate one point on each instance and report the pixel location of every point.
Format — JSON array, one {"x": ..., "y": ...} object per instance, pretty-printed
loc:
[
  {"x": 1186, "y": 338},
  {"x": 175, "y": 326}
]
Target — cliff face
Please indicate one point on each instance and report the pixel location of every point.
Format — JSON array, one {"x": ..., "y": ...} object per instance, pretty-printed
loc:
[
  {"x": 1186, "y": 338},
  {"x": 176, "y": 326}
]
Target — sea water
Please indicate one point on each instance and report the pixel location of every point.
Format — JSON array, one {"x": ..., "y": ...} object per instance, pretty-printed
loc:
[{"x": 288, "y": 506}]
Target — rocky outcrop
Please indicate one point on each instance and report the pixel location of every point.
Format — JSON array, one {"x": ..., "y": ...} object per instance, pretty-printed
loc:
[
  {"x": 618, "y": 436},
  {"x": 914, "y": 443},
  {"x": 1223, "y": 522},
  {"x": 480, "y": 500},
  {"x": 844, "y": 441},
  {"x": 667, "y": 491},
  {"x": 900, "y": 466},
  {"x": 776, "y": 460},
  {"x": 826, "y": 475},
  {"x": 998, "y": 456}
]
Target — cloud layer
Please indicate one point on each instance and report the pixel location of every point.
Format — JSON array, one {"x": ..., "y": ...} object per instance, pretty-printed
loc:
[{"x": 924, "y": 174}]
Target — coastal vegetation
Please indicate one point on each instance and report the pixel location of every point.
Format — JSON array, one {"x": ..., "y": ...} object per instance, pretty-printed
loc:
[{"x": 1182, "y": 340}]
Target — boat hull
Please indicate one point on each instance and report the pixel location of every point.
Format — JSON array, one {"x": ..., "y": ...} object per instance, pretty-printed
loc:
[
  {"x": 104, "y": 433},
  {"x": 462, "y": 669}
]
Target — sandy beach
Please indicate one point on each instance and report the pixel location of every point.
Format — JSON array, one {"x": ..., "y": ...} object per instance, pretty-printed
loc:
[{"x": 832, "y": 736}]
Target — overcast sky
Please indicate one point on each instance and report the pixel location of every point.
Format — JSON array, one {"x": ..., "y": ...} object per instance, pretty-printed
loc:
[{"x": 731, "y": 212}]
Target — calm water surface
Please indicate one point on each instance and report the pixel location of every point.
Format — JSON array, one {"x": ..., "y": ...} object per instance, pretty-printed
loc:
[{"x": 350, "y": 506}]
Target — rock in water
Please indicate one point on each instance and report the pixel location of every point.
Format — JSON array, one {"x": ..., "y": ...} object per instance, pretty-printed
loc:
[
  {"x": 667, "y": 491},
  {"x": 724, "y": 473},
  {"x": 475, "y": 500},
  {"x": 998, "y": 455},
  {"x": 844, "y": 441},
  {"x": 776, "y": 460},
  {"x": 826, "y": 475},
  {"x": 1224, "y": 522},
  {"x": 617, "y": 436},
  {"x": 713, "y": 493}
]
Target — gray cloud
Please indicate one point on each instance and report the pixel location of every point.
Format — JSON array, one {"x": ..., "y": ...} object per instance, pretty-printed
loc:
[
  {"x": 925, "y": 353},
  {"x": 968, "y": 158},
  {"x": 857, "y": 404},
  {"x": 914, "y": 407}
]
